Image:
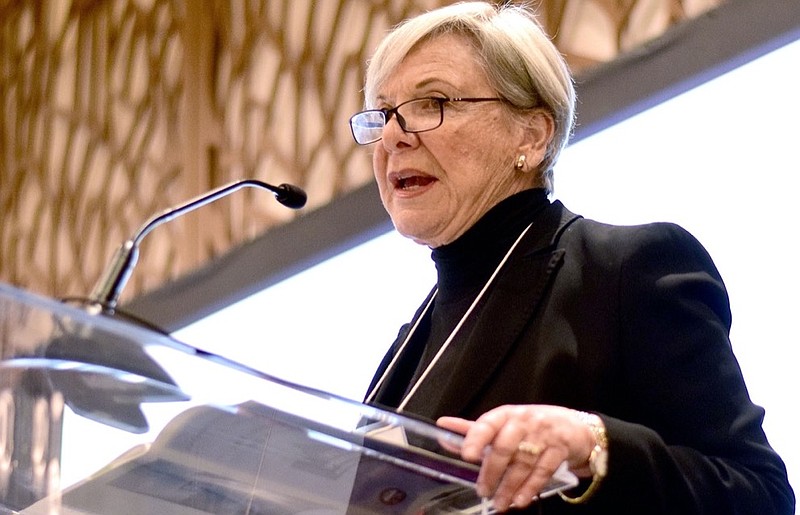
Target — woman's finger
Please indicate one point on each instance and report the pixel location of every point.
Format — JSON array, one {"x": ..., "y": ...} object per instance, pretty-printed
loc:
[
  {"x": 455, "y": 424},
  {"x": 538, "y": 478},
  {"x": 524, "y": 463},
  {"x": 502, "y": 452}
]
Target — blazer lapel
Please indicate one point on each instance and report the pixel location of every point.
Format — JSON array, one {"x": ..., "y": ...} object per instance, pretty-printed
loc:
[
  {"x": 381, "y": 388},
  {"x": 509, "y": 306}
]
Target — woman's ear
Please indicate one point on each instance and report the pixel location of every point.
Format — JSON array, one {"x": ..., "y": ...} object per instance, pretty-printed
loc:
[{"x": 539, "y": 130}]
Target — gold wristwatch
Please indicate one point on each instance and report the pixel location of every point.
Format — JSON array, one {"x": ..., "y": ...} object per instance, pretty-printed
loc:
[{"x": 598, "y": 457}]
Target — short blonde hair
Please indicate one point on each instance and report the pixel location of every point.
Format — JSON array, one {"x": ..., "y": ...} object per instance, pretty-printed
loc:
[{"x": 520, "y": 61}]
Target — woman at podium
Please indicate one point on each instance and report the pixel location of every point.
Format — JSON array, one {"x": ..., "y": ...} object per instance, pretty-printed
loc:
[{"x": 549, "y": 338}]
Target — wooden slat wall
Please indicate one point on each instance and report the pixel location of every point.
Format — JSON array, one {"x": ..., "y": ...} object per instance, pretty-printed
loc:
[{"x": 113, "y": 110}]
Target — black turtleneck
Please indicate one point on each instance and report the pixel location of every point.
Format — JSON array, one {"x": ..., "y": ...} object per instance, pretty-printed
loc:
[{"x": 463, "y": 267}]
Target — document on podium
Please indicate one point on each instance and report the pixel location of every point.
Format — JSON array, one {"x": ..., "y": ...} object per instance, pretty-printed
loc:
[{"x": 253, "y": 459}]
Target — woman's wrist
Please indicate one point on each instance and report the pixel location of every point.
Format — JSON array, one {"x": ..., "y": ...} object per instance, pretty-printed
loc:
[{"x": 597, "y": 461}]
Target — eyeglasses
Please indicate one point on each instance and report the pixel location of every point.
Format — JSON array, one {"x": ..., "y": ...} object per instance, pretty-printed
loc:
[{"x": 417, "y": 115}]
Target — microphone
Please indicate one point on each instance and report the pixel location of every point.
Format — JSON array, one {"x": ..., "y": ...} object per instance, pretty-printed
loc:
[
  {"x": 108, "y": 289},
  {"x": 289, "y": 195}
]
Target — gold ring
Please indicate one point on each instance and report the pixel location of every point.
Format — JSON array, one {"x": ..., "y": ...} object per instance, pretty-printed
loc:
[{"x": 534, "y": 449}]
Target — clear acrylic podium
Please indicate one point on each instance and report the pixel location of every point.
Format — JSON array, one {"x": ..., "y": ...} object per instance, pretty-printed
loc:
[{"x": 101, "y": 415}]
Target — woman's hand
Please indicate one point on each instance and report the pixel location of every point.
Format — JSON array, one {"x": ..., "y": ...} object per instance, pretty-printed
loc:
[{"x": 520, "y": 447}]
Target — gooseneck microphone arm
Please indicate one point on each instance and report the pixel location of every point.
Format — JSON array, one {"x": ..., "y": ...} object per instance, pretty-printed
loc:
[{"x": 108, "y": 289}]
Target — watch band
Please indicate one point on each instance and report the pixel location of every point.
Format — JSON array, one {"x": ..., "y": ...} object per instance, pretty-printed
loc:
[{"x": 598, "y": 457}]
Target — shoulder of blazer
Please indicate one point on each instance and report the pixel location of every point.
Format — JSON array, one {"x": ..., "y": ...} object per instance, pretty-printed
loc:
[
  {"x": 566, "y": 219},
  {"x": 550, "y": 226}
]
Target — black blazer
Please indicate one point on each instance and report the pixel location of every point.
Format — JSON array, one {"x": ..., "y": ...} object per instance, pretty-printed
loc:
[{"x": 631, "y": 323}]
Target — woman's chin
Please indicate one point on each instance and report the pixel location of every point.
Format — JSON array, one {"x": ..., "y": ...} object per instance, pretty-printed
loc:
[
  {"x": 415, "y": 232},
  {"x": 425, "y": 239}
]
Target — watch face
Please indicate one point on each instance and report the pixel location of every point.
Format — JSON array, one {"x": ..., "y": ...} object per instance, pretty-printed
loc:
[{"x": 599, "y": 464}]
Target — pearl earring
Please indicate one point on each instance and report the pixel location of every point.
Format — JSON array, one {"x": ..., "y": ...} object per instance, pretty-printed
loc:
[{"x": 520, "y": 164}]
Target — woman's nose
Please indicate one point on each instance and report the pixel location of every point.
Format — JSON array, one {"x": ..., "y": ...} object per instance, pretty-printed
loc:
[{"x": 394, "y": 137}]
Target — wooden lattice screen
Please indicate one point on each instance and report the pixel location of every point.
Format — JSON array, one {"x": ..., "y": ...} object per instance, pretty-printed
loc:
[{"x": 113, "y": 110}]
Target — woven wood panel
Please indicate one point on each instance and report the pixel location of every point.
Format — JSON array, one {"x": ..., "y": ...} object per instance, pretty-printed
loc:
[{"x": 114, "y": 110}]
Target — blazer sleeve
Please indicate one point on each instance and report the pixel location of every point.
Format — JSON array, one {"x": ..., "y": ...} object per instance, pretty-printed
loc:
[{"x": 691, "y": 440}]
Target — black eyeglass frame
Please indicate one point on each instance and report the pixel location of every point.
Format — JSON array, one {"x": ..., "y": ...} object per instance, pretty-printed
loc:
[{"x": 393, "y": 111}]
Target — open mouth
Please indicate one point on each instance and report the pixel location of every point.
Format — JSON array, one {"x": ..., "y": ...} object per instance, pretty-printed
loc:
[{"x": 410, "y": 182}]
